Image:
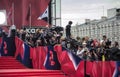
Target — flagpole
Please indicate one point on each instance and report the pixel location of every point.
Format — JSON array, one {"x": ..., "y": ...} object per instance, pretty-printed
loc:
[
  {"x": 30, "y": 16},
  {"x": 85, "y": 68},
  {"x": 48, "y": 15},
  {"x": 13, "y": 14}
]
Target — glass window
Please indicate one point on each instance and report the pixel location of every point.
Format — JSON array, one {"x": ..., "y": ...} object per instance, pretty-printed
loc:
[{"x": 56, "y": 12}]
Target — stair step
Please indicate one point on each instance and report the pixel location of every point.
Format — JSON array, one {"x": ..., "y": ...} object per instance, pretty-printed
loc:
[
  {"x": 12, "y": 68},
  {"x": 8, "y": 62},
  {"x": 31, "y": 72}
]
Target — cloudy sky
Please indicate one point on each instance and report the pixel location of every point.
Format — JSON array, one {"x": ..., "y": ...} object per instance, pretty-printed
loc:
[{"x": 79, "y": 10}]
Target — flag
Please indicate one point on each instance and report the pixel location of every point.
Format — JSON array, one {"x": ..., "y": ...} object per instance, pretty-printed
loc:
[
  {"x": 39, "y": 12},
  {"x": 44, "y": 16}
]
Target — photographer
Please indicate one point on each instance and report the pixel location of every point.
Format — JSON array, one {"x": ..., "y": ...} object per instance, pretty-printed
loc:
[
  {"x": 30, "y": 41},
  {"x": 86, "y": 51},
  {"x": 72, "y": 45},
  {"x": 106, "y": 48},
  {"x": 115, "y": 51},
  {"x": 92, "y": 55},
  {"x": 80, "y": 51},
  {"x": 53, "y": 41},
  {"x": 41, "y": 41}
]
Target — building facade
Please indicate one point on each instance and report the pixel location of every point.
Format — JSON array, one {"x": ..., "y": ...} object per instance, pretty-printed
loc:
[{"x": 97, "y": 28}]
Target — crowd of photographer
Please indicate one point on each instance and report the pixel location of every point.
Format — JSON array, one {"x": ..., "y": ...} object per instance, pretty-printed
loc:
[
  {"x": 85, "y": 48},
  {"x": 42, "y": 36},
  {"x": 92, "y": 49}
]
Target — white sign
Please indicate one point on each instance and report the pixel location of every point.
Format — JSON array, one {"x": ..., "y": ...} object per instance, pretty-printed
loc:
[
  {"x": 31, "y": 30},
  {"x": 3, "y": 19}
]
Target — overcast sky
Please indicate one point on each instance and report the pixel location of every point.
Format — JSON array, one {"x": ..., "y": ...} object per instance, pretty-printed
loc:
[{"x": 79, "y": 10}]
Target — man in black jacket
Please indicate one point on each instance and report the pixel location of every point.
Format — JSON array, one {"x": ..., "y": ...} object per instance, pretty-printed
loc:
[{"x": 68, "y": 29}]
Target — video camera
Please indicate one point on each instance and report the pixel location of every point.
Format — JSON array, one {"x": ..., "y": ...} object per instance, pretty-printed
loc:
[
  {"x": 58, "y": 29},
  {"x": 51, "y": 32},
  {"x": 72, "y": 44}
]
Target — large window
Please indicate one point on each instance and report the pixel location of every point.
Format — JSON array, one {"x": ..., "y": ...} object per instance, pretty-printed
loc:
[{"x": 56, "y": 12}]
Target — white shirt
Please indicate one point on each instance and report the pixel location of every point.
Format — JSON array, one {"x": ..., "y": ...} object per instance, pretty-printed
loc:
[{"x": 80, "y": 53}]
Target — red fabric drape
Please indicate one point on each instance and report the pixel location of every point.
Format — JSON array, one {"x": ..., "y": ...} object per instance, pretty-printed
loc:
[
  {"x": 38, "y": 56},
  {"x": 5, "y": 48},
  {"x": 21, "y": 11},
  {"x": 66, "y": 64},
  {"x": 103, "y": 69},
  {"x": 19, "y": 47}
]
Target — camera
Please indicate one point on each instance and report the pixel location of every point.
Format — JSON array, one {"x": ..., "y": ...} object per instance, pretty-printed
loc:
[
  {"x": 72, "y": 44},
  {"x": 53, "y": 35}
]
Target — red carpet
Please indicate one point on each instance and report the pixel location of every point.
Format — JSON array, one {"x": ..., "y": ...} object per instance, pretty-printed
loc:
[
  {"x": 10, "y": 67},
  {"x": 8, "y": 62}
]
